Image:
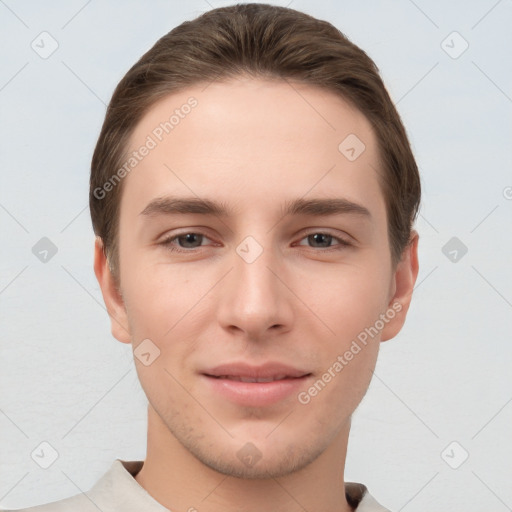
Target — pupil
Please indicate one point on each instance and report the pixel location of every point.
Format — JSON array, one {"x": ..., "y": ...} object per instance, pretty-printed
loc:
[
  {"x": 189, "y": 238},
  {"x": 325, "y": 238}
]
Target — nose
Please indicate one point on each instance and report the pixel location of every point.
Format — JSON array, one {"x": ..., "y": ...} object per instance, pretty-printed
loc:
[{"x": 254, "y": 301}]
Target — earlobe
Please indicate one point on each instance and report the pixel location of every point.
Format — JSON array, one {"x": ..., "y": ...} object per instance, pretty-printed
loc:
[
  {"x": 111, "y": 296},
  {"x": 404, "y": 279}
]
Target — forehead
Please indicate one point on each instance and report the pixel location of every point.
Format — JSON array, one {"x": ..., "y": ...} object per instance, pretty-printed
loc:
[{"x": 253, "y": 139}]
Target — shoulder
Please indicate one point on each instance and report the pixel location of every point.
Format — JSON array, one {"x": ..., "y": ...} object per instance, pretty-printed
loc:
[
  {"x": 115, "y": 490},
  {"x": 77, "y": 503},
  {"x": 359, "y": 498}
]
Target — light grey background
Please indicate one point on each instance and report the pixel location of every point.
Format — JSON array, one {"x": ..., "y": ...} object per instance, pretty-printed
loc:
[{"x": 445, "y": 378}]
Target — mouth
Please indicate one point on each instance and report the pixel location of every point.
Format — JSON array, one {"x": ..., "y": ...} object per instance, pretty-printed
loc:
[
  {"x": 266, "y": 372},
  {"x": 240, "y": 378},
  {"x": 255, "y": 386}
]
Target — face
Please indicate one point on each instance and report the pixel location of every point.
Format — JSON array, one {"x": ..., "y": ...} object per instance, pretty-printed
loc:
[{"x": 255, "y": 264}]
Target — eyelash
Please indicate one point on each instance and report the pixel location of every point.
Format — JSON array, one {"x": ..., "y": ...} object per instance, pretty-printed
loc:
[{"x": 167, "y": 243}]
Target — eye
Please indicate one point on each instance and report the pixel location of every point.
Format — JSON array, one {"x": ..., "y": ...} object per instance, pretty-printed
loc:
[
  {"x": 188, "y": 241},
  {"x": 323, "y": 240},
  {"x": 184, "y": 241}
]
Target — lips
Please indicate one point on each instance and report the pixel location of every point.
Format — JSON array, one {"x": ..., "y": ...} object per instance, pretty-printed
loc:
[
  {"x": 244, "y": 372},
  {"x": 254, "y": 386},
  {"x": 239, "y": 378}
]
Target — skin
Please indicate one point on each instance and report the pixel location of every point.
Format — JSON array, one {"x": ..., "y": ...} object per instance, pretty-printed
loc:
[{"x": 253, "y": 144}]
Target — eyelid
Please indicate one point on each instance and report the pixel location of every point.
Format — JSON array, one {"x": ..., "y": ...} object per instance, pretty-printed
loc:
[
  {"x": 342, "y": 241},
  {"x": 167, "y": 239}
]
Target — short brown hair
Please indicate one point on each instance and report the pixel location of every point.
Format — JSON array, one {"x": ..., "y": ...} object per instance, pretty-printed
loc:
[{"x": 264, "y": 41}]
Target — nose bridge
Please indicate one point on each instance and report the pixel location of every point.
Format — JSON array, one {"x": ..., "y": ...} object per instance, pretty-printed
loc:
[
  {"x": 252, "y": 268},
  {"x": 253, "y": 299},
  {"x": 255, "y": 282}
]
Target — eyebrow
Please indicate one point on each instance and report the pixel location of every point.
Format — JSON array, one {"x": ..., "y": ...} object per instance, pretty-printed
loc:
[{"x": 313, "y": 207}]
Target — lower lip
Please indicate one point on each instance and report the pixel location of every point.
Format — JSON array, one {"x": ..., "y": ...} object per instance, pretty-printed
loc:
[{"x": 256, "y": 394}]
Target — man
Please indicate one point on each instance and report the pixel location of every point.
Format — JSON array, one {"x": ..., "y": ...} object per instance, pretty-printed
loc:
[{"x": 253, "y": 194}]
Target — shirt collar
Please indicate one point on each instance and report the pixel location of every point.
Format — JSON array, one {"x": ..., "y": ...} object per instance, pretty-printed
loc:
[{"x": 117, "y": 490}]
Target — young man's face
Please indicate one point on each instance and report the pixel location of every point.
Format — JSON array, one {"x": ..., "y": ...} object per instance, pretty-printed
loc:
[{"x": 254, "y": 293}]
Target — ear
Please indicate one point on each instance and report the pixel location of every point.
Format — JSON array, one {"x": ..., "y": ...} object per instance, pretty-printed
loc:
[
  {"x": 111, "y": 295},
  {"x": 402, "y": 286}
]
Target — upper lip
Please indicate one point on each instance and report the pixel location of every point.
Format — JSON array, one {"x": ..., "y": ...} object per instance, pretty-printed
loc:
[{"x": 270, "y": 370}]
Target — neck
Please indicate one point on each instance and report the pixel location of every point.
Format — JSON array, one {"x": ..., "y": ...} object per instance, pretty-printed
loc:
[{"x": 179, "y": 481}]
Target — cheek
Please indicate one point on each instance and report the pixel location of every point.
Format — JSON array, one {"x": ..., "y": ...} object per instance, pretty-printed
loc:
[
  {"x": 166, "y": 305},
  {"x": 347, "y": 364},
  {"x": 157, "y": 296},
  {"x": 337, "y": 391},
  {"x": 349, "y": 299},
  {"x": 350, "y": 306}
]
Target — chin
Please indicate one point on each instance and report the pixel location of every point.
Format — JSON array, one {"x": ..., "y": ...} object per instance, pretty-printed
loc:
[{"x": 256, "y": 461}]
